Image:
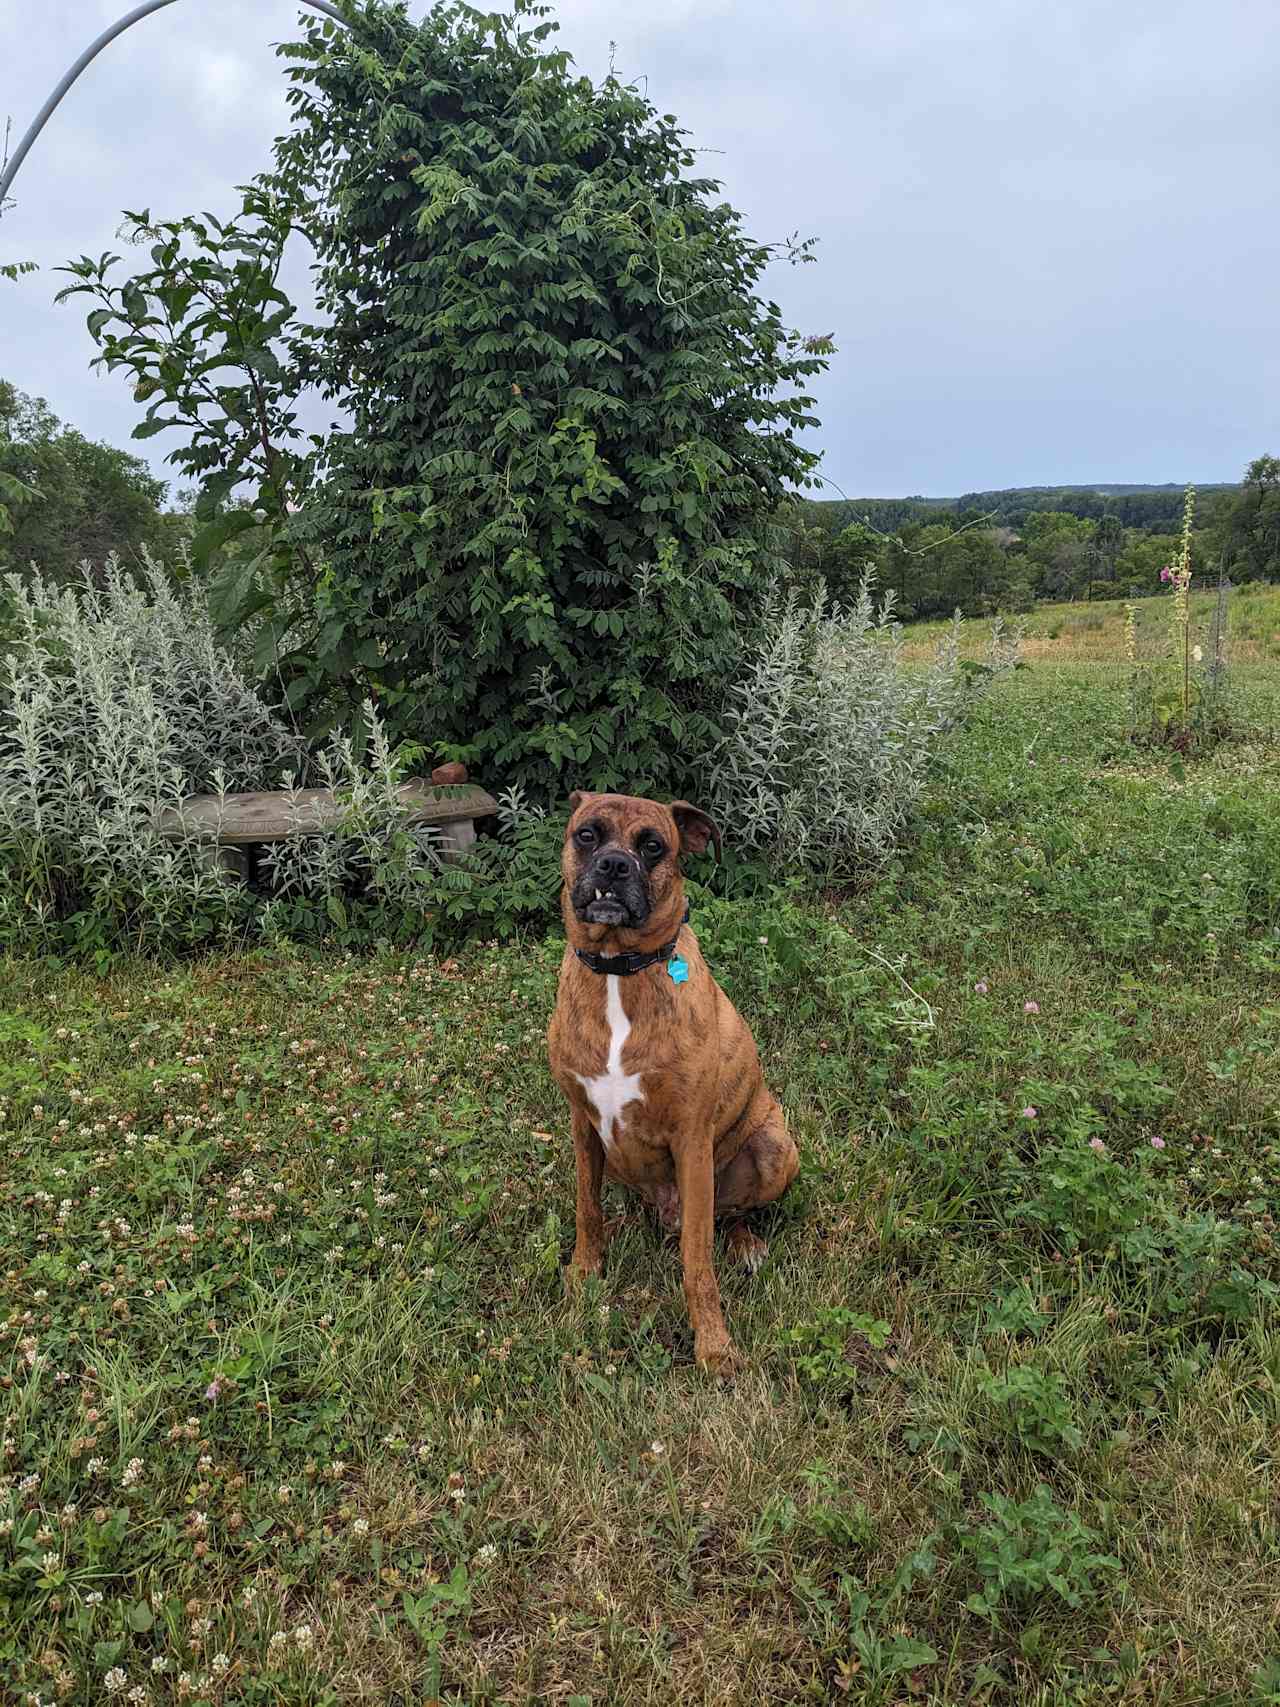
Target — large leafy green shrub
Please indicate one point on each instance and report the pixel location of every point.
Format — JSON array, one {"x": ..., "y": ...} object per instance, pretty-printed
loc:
[{"x": 572, "y": 420}]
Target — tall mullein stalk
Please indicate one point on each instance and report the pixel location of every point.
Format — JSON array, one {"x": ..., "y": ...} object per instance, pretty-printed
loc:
[{"x": 1182, "y": 605}]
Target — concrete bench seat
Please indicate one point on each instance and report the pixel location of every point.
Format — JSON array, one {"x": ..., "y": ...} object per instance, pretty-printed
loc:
[{"x": 228, "y": 827}]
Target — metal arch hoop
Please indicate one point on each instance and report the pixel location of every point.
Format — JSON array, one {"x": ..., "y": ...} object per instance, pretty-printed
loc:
[{"x": 90, "y": 53}]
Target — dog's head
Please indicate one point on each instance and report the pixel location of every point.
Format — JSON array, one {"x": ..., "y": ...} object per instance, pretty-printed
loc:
[{"x": 621, "y": 855}]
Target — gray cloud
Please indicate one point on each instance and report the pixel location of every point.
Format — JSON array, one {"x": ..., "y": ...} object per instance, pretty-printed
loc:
[{"x": 1049, "y": 236}]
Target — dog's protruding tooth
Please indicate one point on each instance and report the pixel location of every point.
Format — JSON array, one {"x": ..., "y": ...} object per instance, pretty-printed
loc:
[{"x": 598, "y": 895}]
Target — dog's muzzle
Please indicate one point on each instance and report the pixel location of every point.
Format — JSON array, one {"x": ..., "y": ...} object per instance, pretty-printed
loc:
[{"x": 612, "y": 890}]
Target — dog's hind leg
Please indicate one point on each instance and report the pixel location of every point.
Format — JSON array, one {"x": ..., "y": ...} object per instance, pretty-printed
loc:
[
  {"x": 763, "y": 1168},
  {"x": 760, "y": 1172}
]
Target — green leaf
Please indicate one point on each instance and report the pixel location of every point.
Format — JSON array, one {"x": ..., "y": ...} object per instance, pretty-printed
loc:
[
  {"x": 903, "y": 1653},
  {"x": 265, "y": 647},
  {"x": 213, "y": 537}
]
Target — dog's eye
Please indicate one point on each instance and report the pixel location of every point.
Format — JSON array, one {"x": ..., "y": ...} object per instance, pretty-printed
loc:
[
  {"x": 652, "y": 849},
  {"x": 586, "y": 838}
]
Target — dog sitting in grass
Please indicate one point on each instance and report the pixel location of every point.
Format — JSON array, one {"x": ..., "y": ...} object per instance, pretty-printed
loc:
[{"x": 661, "y": 1072}]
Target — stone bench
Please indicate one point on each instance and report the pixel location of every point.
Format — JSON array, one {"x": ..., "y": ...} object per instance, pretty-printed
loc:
[{"x": 227, "y": 827}]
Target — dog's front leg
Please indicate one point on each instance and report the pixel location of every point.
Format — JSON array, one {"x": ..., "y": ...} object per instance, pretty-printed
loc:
[
  {"x": 588, "y": 1248},
  {"x": 695, "y": 1176}
]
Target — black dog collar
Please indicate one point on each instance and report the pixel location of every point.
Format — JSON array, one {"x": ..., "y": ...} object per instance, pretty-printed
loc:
[{"x": 623, "y": 965}]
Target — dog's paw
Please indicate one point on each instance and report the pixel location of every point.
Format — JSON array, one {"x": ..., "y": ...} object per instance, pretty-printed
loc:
[
  {"x": 718, "y": 1357},
  {"x": 746, "y": 1248},
  {"x": 666, "y": 1203},
  {"x": 579, "y": 1270}
]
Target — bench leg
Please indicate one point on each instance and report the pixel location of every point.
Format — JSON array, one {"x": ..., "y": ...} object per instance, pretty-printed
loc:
[
  {"x": 454, "y": 839},
  {"x": 229, "y": 862}
]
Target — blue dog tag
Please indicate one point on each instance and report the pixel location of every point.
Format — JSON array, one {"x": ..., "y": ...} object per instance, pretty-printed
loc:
[{"x": 678, "y": 970}]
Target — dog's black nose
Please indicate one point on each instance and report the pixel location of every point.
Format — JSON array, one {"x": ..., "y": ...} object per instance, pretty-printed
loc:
[{"x": 617, "y": 865}]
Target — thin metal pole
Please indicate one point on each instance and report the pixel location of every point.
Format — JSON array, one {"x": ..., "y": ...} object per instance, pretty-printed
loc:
[{"x": 90, "y": 53}]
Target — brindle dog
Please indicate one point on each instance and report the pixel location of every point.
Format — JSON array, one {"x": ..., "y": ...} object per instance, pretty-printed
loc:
[{"x": 661, "y": 1073}]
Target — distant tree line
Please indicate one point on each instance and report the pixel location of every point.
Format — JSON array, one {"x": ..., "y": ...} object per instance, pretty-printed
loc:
[
  {"x": 1153, "y": 509},
  {"x": 66, "y": 500},
  {"x": 992, "y": 551}
]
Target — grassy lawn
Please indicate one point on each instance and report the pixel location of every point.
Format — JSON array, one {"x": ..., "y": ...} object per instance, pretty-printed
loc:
[
  {"x": 294, "y": 1411},
  {"x": 1079, "y": 633}
]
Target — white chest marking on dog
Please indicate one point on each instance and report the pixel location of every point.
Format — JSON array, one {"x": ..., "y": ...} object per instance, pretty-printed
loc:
[{"x": 614, "y": 1089}]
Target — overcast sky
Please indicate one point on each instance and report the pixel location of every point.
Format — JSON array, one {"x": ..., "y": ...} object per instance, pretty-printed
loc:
[{"x": 1049, "y": 235}]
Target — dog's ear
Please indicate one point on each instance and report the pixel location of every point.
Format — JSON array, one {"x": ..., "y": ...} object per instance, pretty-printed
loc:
[
  {"x": 576, "y": 799},
  {"x": 695, "y": 827}
]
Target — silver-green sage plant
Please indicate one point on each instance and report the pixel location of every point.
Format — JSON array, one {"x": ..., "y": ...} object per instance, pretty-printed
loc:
[
  {"x": 830, "y": 733},
  {"x": 116, "y": 702}
]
